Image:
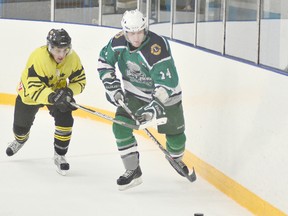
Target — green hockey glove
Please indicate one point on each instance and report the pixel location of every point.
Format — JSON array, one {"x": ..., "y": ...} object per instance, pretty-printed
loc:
[{"x": 114, "y": 91}]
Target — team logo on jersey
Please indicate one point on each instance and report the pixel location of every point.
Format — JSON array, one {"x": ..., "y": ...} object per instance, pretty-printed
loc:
[
  {"x": 156, "y": 49},
  {"x": 136, "y": 75}
]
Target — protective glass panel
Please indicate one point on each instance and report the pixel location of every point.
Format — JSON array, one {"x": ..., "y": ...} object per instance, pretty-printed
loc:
[
  {"x": 25, "y": 9},
  {"x": 183, "y": 24},
  {"x": 274, "y": 34},
  {"x": 112, "y": 11},
  {"x": 77, "y": 11},
  {"x": 159, "y": 17},
  {"x": 242, "y": 29},
  {"x": 210, "y": 26}
]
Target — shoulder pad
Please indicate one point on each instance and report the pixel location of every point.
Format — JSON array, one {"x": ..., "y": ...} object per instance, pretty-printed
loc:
[
  {"x": 156, "y": 49},
  {"x": 118, "y": 40}
]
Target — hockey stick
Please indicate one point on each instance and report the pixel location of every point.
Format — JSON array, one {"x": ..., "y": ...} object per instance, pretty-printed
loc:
[
  {"x": 192, "y": 177},
  {"x": 131, "y": 126}
]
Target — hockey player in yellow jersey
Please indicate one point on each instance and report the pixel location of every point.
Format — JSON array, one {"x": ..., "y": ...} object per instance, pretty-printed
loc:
[{"x": 52, "y": 77}]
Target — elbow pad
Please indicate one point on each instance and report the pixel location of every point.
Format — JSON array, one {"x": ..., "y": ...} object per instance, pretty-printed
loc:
[{"x": 161, "y": 94}]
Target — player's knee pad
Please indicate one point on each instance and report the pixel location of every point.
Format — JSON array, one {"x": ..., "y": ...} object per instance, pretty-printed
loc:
[
  {"x": 121, "y": 132},
  {"x": 176, "y": 144},
  {"x": 124, "y": 136},
  {"x": 20, "y": 130},
  {"x": 21, "y": 134},
  {"x": 63, "y": 119}
]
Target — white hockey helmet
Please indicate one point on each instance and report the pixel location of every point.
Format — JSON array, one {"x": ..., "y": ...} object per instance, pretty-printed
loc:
[{"x": 133, "y": 21}]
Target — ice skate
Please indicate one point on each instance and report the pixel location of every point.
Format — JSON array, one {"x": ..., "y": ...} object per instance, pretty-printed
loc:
[
  {"x": 13, "y": 148},
  {"x": 129, "y": 179},
  {"x": 61, "y": 164},
  {"x": 181, "y": 164}
]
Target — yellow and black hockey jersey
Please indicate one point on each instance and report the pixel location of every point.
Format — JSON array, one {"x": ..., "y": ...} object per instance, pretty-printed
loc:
[{"x": 42, "y": 75}]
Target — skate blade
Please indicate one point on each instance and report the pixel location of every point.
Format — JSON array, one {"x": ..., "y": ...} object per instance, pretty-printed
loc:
[
  {"x": 132, "y": 184},
  {"x": 61, "y": 172},
  {"x": 62, "y": 169}
]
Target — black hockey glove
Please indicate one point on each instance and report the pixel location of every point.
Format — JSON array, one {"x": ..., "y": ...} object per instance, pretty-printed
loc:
[
  {"x": 61, "y": 99},
  {"x": 154, "y": 109},
  {"x": 114, "y": 91}
]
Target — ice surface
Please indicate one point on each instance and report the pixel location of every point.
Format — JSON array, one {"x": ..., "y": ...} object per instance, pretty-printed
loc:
[{"x": 30, "y": 185}]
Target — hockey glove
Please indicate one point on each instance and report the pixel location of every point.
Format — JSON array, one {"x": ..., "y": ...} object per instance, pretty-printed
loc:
[
  {"x": 61, "y": 99},
  {"x": 114, "y": 91},
  {"x": 154, "y": 109}
]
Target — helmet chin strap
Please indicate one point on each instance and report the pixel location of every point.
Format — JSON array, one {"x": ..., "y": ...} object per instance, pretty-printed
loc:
[{"x": 49, "y": 47}]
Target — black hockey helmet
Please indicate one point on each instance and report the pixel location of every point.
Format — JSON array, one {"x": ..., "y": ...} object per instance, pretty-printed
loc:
[{"x": 58, "y": 38}]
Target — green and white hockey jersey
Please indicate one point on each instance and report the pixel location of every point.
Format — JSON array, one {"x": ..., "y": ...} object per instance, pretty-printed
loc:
[{"x": 148, "y": 67}]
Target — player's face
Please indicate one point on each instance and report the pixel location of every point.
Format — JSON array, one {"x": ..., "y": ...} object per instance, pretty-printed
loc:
[
  {"x": 59, "y": 54},
  {"x": 136, "y": 38}
]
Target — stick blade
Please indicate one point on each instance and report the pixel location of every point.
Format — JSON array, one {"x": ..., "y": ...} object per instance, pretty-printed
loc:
[
  {"x": 153, "y": 122},
  {"x": 183, "y": 172},
  {"x": 192, "y": 177}
]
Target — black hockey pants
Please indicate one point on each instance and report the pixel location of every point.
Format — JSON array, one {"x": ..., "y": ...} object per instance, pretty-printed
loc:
[{"x": 24, "y": 116}]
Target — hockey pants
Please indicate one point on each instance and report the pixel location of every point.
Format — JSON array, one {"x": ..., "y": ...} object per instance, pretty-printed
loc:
[{"x": 24, "y": 116}]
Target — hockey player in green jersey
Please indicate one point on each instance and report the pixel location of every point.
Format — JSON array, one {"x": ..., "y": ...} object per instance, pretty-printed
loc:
[
  {"x": 52, "y": 76},
  {"x": 150, "y": 89}
]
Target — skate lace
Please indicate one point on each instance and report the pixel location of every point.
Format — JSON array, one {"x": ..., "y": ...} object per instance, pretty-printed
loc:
[
  {"x": 15, "y": 146},
  {"x": 60, "y": 159},
  {"x": 128, "y": 173}
]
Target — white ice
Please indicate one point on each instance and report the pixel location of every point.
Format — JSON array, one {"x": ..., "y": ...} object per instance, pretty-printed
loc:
[{"x": 30, "y": 185}]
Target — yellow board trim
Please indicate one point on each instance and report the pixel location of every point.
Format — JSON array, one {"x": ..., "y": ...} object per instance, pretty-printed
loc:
[{"x": 228, "y": 186}]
